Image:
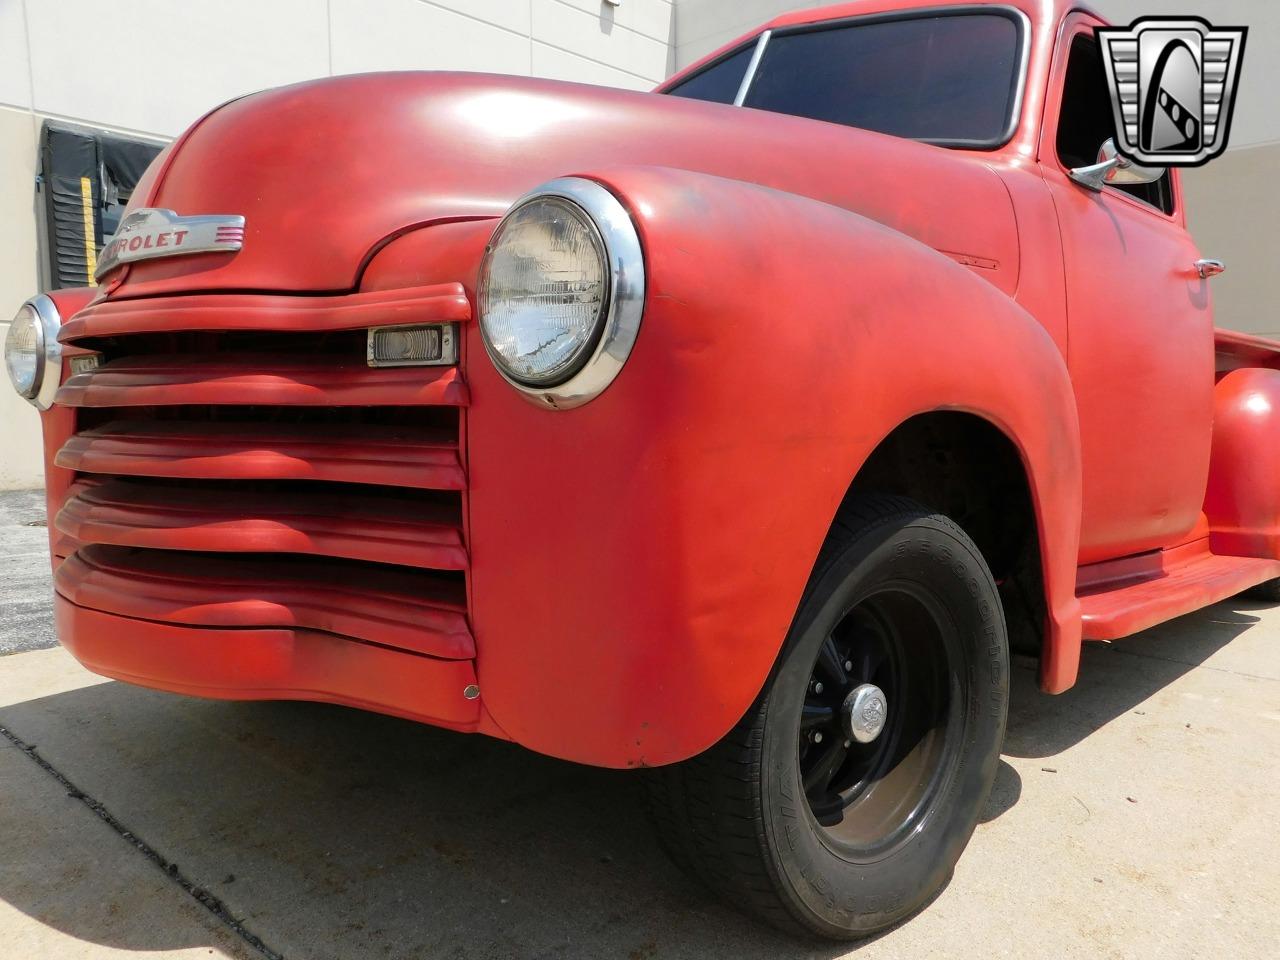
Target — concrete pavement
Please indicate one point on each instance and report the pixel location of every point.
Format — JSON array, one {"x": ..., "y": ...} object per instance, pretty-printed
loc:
[
  {"x": 1134, "y": 817},
  {"x": 24, "y": 573}
]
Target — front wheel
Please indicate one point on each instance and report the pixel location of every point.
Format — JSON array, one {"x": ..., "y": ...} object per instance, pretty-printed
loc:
[{"x": 840, "y": 803}]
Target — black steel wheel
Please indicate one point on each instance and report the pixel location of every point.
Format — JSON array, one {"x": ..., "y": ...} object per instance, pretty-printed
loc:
[
  {"x": 841, "y": 802},
  {"x": 873, "y": 748}
]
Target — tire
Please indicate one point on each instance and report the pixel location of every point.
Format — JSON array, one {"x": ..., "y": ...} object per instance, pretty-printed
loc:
[
  {"x": 900, "y": 596},
  {"x": 1268, "y": 591}
]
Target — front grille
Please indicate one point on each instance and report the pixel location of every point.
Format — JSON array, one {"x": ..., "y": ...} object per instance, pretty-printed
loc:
[{"x": 237, "y": 463}]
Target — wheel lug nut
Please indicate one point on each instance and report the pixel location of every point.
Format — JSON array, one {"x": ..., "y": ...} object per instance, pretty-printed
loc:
[
  {"x": 848, "y": 664},
  {"x": 816, "y": 736},
  {"x": 817, "y": 687}
]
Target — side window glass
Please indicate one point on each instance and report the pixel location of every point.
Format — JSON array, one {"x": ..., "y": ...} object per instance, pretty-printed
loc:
[
  {"x": 719, "y": 82},
  {"x": 951, "y": 80},
  {"x": 1086, "y": 121}
]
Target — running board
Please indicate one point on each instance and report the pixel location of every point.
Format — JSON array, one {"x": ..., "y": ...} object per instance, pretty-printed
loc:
[{"x": 1179, "y": 585}]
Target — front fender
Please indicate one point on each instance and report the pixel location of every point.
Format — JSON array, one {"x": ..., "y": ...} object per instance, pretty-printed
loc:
[{"x": 636, "y": 562}]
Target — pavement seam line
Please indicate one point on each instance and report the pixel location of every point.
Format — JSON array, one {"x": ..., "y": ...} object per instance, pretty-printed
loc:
[
  {"x": 170, "y": 869},
  {"x": 1195, "y": 666}
]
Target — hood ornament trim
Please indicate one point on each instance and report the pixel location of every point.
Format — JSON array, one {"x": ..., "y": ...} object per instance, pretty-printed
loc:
[{"x": 152, "y": 232}]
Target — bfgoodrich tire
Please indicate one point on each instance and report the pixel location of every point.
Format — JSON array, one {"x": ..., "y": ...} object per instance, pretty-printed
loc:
[{"x": 792, "y": 817}]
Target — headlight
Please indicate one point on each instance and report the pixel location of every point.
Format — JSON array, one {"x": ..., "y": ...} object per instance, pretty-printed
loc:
[
  {"x": 32, "y": 354},
  {"x": 561, "y": 292},
  {"x": 545, "y": 291}
]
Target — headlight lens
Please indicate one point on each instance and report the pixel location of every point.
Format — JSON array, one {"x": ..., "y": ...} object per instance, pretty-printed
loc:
[
  {"x": 24, "y": 351},
  {"x": 544, "y": 291},
  {"x": 32, "y": 353},
  {"x": 562, "y": 292}
]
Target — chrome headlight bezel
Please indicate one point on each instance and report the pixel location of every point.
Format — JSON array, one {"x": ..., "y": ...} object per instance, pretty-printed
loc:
[
  {"x": 48, "y": 358},
  {"x": 615, "y": 333}
]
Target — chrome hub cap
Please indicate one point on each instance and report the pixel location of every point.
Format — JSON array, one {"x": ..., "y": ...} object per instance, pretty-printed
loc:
[{"x": 864, "y": 712}]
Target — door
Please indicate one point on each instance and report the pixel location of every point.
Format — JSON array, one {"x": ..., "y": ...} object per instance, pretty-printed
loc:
[{"x": 1139, "y": 325}]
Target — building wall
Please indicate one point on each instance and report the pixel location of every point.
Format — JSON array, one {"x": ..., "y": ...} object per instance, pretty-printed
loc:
[
  {"x": 21, "y": 464},
  {"x": 163, "y": 63}
]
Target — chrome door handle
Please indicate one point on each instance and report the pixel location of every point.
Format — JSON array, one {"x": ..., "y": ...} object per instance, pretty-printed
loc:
[{"x": 1209, "y": 268}]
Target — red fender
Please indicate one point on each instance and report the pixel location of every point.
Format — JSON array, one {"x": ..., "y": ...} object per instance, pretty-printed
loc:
[{"x": 637, "y": 561}]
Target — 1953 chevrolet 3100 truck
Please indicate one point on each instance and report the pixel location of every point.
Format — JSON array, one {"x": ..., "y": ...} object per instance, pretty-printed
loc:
[{"x": 646, "y": 430}]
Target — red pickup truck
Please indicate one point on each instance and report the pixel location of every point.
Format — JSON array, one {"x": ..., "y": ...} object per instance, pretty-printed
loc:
[{"x": 740, "y": 429}]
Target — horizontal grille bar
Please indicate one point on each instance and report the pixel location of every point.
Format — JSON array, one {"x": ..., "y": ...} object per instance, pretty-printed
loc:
[
  {"x": 222, "y": 518},
  {"x": 268, "y": 451},
  {"x": 268, "y": 515},
  {"x": 271, "y": 664},
  {"x": 442, "y": 303},
  {"x": 422, "y": 613},
  {"x": 249, "y": 379}
]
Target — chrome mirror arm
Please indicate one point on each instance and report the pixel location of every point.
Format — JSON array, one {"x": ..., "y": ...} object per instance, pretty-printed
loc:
[
  {"x": 1094, "y": 176},
  {"x": 1113, "y": 170}
]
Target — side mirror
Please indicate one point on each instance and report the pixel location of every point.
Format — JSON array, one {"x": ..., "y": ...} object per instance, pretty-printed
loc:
[{"x": 1113, "y": 170}]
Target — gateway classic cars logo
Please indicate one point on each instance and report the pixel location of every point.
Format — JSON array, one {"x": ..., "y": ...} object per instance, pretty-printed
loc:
[
  {"x": 152, "y": 232},
  {"x": 1173, "y": 86}
]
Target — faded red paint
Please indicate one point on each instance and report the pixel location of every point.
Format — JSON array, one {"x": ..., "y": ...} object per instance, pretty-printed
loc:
[{"x": 627, "y": 570}]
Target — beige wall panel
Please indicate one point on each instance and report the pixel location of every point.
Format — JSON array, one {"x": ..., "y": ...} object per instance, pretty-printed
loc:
[
  {"x": 653, "y": 18},
  {"x": 511, "y": 15},
  {"x": 412, "y": 35},
  {"x": 600, "y": 37},
  {"x": 21, "y": 459},
  {"x": 165, "y": 63},
  {"x": 1233, "y": 210},
  {"x": 556, "y": 64},
  {"x": 15, "y": 71}
]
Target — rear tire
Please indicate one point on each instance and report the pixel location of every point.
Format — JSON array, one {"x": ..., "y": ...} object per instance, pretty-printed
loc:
[{"x": 791, "y": 818}]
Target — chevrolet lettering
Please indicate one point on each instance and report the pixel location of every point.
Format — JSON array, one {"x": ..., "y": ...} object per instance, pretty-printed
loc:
[{"x": 151, "y": 233}]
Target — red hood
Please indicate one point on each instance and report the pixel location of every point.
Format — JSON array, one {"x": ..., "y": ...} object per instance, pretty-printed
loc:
[{"x": 325, "y": 172}]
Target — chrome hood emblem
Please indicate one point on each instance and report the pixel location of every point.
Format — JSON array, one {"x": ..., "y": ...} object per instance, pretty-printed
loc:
[{"x": 152, "y": 232}]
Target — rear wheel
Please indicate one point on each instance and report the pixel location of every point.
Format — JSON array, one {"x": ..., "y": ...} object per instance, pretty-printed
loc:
[{"x": 840, "y": 803}]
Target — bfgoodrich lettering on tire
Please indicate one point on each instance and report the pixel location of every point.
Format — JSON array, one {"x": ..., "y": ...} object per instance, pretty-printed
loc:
[{"x": 841, "y": 802}]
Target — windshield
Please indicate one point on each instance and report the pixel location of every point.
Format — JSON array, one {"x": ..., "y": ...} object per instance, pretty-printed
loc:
[{"x": 946, "y": 78}]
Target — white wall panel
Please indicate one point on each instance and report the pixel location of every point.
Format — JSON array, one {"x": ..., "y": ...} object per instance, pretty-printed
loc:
[
  {"x": 704, "y": 25},
  {"x": 162, "y": 64},
  {"x": 21, "y": 457},
  {"x": 556, "y": 64},
  {"x": 512, "y": 15},
  {"x": 413, "y": 35},
  {"x": 653, "y": 18},
  {"x": 15, "y": 72},
  {"x": 597, "y": 37}
]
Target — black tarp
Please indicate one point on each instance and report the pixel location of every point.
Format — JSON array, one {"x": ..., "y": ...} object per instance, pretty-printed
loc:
[{"x": 88, "y": 176}]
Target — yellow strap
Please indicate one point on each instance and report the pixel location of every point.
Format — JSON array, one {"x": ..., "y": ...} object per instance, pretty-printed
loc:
[{"x": 90, "y": 248}]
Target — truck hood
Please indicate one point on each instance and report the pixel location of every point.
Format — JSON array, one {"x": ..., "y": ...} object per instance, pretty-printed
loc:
[{"x": 326, "y": 172}]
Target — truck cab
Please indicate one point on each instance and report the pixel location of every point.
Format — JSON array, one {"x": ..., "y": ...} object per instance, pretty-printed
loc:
[{"x": 739, "y": 430}]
